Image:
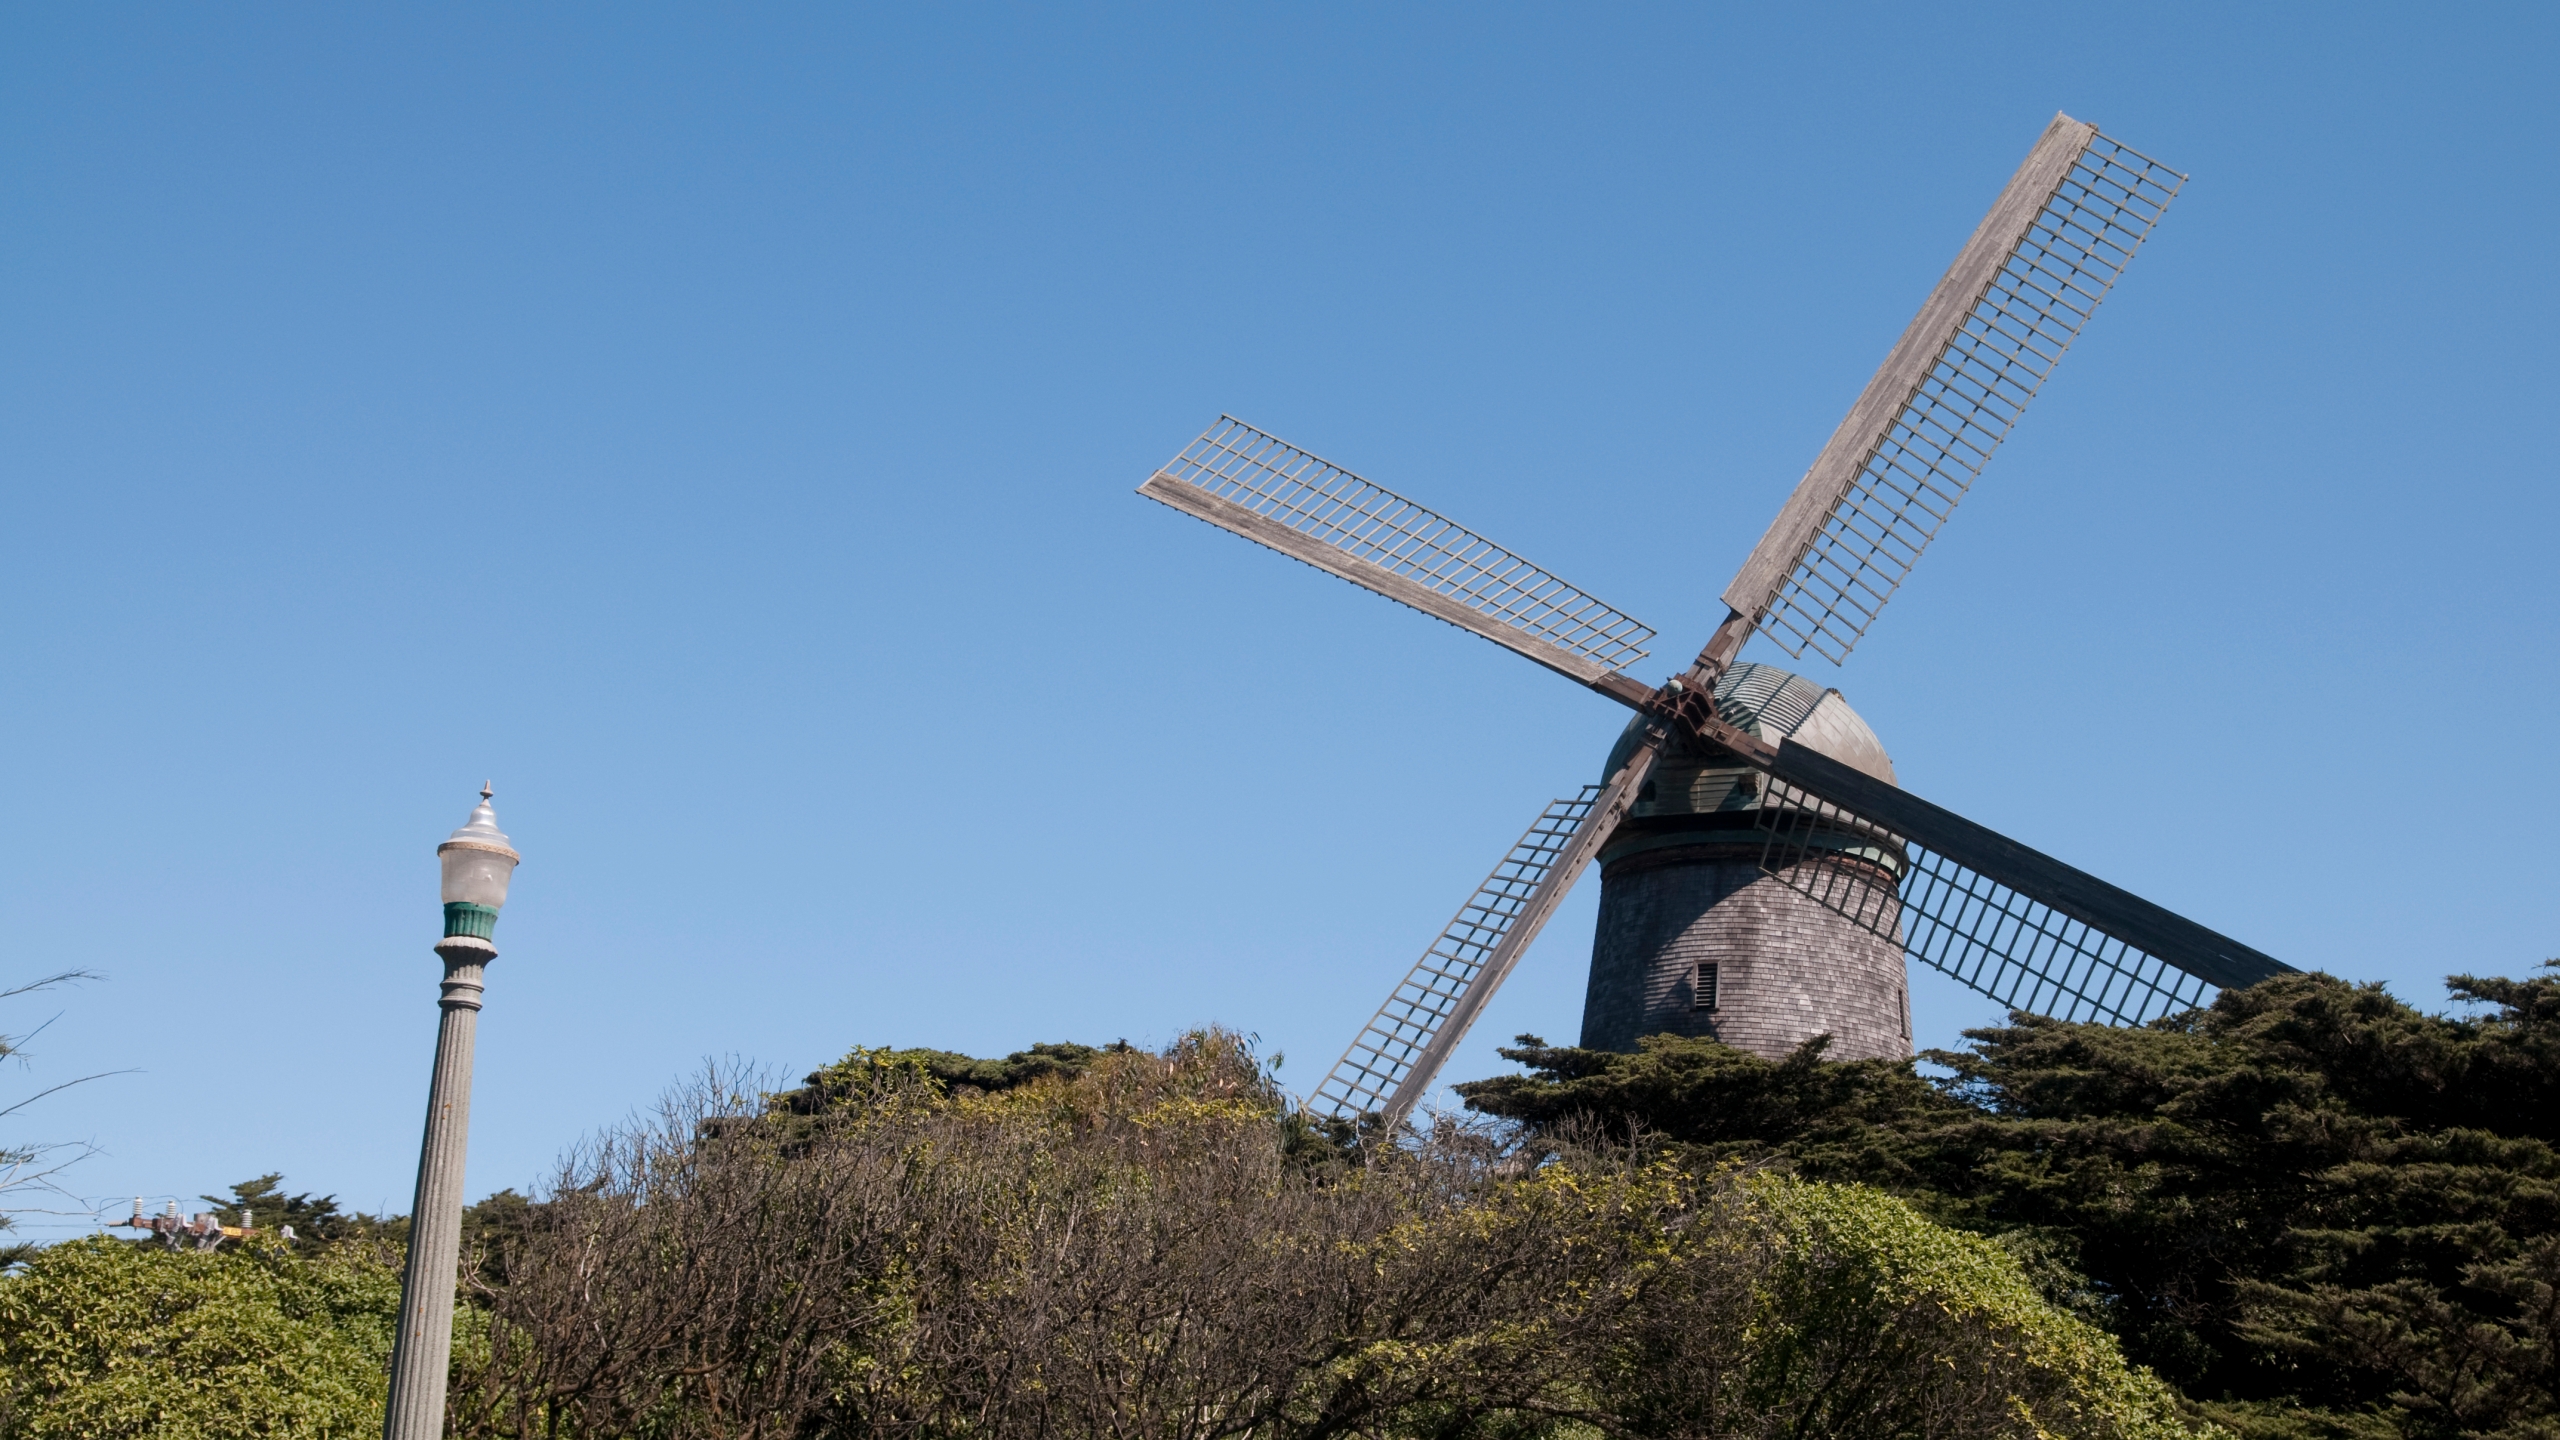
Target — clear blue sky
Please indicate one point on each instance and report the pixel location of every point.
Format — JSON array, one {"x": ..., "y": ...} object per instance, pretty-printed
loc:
[{"x": 719, "y": 428}]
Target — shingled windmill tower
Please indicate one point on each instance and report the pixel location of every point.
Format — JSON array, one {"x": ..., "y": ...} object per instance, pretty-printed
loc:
[
  {"x": 1763, "y": 876},
  {"x": 1696, "y": 939}
]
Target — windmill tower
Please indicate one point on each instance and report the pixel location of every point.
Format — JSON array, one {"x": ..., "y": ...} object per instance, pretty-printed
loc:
[
  {"x": 1849, "y": 875},
  {"x": 1695, "y": 938}
]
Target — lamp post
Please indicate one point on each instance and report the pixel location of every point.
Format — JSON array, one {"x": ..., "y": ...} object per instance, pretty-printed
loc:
[{"x": 477, "y": 862}]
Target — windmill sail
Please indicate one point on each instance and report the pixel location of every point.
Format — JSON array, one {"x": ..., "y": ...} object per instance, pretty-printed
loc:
[
  {"x": 1275, "y": 494},
  {"x": 1390, "y": 1065},
  {"x": 2024, "y": 928},
  {"x": 1951, "y": 388}
]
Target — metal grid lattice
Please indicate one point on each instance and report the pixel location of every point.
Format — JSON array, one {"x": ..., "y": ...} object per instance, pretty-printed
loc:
[
  {"x": 2026, "y": 316},
  {"x": 1368, "y": 522},
  {"x": 2014, "y": 948},
  {"x": 1384, "y": 1053}
]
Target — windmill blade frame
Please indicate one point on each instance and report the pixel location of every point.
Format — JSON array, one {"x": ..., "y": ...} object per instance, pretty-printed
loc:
[
  {"x": 1947, "y": 394},
  {"x": 1257, "y": 485},
  {"x": 1391, "y": 1064},
  {"x": 2014, "y": 923}
]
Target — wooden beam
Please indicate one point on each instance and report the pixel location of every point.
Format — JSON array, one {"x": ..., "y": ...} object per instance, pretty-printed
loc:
[
  {"x": 1717, "y": 655},
  {"x": 1634, "y": 694},
  {"x": 1755, "y": 587},
  {"x": 1597, "y": 826},
  {"x": 1262, "y": 530},
  {"x": 2163, "y": 934}
]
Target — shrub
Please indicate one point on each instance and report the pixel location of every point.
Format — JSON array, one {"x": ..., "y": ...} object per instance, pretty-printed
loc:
[
  {"x": 1137, "y": 1243},
  {"x": 104, "y": 1338}
]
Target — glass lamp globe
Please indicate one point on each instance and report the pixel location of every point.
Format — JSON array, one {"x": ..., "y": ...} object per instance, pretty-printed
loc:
[{"x": 477, "y": 862}]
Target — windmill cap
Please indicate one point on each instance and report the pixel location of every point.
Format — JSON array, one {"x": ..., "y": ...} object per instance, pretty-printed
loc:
[
  {"x": 1776, "y": 704},
  {"x": 480, "y": 832}
]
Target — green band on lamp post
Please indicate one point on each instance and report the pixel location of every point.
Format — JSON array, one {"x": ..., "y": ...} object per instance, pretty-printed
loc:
[{"x": 461, "y": 917}]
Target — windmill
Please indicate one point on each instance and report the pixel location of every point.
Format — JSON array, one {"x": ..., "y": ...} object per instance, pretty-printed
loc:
[{"x": 1749, "y": 801}]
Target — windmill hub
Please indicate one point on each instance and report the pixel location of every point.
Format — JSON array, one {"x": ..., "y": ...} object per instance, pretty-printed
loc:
[{"x": 1696, "y": 937}]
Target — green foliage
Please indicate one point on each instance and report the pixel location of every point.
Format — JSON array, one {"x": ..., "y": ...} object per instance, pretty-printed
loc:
[
  {"x": 102, "y": 1339},
  {"x": 1153, "y": 1244},
  {"x": 864, "y": 1069},
  {"x": 2320, "y": 1210},
  {"x": 315, "y": 1221},
  {"x": 1867, "y": 1290},
  {"x": 491, "y": 1227},
  {"x": 1834, "y": 1120}
]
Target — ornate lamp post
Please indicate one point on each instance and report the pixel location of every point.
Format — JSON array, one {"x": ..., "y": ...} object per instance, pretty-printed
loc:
[{"x": 477, "y": 862}]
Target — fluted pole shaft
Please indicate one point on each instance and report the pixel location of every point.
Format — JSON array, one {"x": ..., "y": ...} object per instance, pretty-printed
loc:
[{"x": 423, "y": 1348}]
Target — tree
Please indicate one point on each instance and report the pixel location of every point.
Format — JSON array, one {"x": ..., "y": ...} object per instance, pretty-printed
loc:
[
  {"x": 1145, "y": 1243},
  {"x": 262, "y": 1201},
  {"x": 104, "y": 1339},
  {"x": 2310, "y": 1205},
  {"x": 947, "y": 1071}
]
